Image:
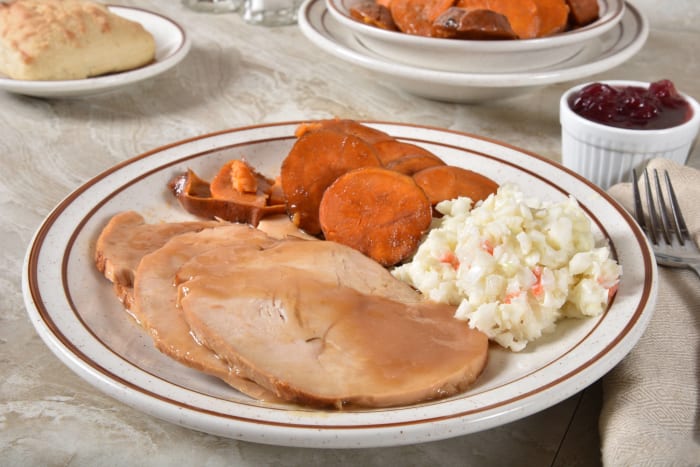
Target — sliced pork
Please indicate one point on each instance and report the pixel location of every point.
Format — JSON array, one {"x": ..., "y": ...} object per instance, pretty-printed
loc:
[
  {"x": 329, "y": 261},
  {"x": 300, "y": 332},
  {"x": 287, "y": 319},
  {"x": 126, "y": 239},
  {"x": 155, "y": 299},
  {"x": 320, "y": 324}
]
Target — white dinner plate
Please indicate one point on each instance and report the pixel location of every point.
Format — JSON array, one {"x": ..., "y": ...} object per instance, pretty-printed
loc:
[
  {"x": 172, "y": 45},
  {"x": 76, "y": 313},
  {"x": 598, "y": 55}
]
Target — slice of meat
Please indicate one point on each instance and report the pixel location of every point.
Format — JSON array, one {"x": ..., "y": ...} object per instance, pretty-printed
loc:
[
  {"x": 281, "y": 226},
  {"x": 126, "y": 239},
  {"x": 155, "y": 299},
  {"x": 315, "y": 342},
  {"x": 337, "y": 263}
]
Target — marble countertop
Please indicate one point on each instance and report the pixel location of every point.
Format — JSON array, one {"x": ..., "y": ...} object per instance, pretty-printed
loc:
[{"x": 237, "y": 75}]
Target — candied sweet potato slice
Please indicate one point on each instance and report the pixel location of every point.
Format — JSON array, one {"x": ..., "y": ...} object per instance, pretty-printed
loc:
[
  {"x": 405, "y": 158},
  {"x": 314, "y": 162},
  {"x": 445, "y": 182},
  {"x": 350, "y": 127},
  {"x": 473, "y": 24},
  {"x": 373, "y": 14},
  {"x": 554, "y": 16},
  {"x": 238, "y": 181},
  {"x": 417, "y": 16},
  {"x": 522, "y": 14},
  {"x": 194, "y": 195},
  {"x": 583, "y": 12},
  {"x": 380, "y": 212}
]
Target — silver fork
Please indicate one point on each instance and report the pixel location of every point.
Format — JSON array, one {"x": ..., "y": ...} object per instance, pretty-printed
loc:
[{"x": 664, "y": 224}]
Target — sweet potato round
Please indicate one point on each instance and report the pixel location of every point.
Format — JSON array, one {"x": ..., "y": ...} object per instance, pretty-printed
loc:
[
  {"x": 350, "y": 127},
  {"x": 417, "y": 16},
  {"x": 380, "y": 212},
  {"x": 553, "y": 16},
  {"x": 473, "y": 24},
  {"x": 583, "y": 11},
  {"x": 405, "y": 158},
  {"x": 521, "y": 14},
  {"x": 445, "y": 182},
  {"x": 314, "y": 162}
]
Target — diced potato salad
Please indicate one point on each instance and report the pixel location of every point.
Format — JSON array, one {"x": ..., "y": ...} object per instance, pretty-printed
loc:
[{"x": 513, "y": 265}]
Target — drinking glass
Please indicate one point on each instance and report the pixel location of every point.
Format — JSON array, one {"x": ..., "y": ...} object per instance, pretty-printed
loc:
[
  {"x": 270, "y": 12},
  {"x": 213, "y": 6}
]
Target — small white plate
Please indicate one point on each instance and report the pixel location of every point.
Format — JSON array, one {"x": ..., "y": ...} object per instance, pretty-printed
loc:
[
  {"x": 172, "y": 45},
  {"x": 477, "y": 56},
  {"x": 600, "y": 54},
  {"x": 76, "y": 313}
]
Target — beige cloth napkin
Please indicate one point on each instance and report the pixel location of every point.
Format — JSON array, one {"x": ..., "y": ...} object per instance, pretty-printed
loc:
[{"x": 651, "y": 400}]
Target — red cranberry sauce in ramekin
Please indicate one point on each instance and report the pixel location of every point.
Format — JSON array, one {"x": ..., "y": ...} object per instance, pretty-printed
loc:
[{"x": 632, "y": 107}]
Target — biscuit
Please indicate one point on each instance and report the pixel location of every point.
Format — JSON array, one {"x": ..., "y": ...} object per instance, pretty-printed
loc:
[{"x": 69, "y": 39}]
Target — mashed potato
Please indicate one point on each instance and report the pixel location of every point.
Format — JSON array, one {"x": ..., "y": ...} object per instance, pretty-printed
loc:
[{"x": 514, "y": 266}]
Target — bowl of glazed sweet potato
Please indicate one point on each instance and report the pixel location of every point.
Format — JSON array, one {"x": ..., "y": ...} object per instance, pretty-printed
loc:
[{"x": 477, "y": 36}]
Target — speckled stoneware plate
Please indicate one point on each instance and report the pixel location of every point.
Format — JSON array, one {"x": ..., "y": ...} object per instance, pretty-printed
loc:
[
  {"x": 476, "y": 56},
  {"x": 76, "y": 313},
  {"x": 599, "y": 54},
  {"x": 172, "y": 45}
]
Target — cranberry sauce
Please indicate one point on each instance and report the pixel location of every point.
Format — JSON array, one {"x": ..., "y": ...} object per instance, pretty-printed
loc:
[{"x": 632, "y": 107}]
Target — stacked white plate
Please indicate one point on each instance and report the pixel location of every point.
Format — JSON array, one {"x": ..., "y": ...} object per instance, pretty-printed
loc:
[{"x": 475, "y": 71}]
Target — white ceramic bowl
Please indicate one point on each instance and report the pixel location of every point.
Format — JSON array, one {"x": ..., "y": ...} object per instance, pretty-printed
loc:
[
  {"x": 601, "y": 54},
  {"x": 606, "y": 155},
  {"x": 477, "y": 56}
]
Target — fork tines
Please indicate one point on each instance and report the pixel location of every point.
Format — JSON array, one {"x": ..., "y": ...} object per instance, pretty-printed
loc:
[{"x": 659, "y": 223}]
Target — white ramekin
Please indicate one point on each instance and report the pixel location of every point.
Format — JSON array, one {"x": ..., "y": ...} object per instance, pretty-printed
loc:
[{"x": 606, "y": 155}]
